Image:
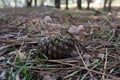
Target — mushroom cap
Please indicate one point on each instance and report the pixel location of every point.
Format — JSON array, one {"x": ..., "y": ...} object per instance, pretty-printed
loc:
[
  {"x": 80, "y": 27},
  {"x": 47, "y": 19},
  {"x": 73, "y": 30},
  {"x": 76, "y": 29}
]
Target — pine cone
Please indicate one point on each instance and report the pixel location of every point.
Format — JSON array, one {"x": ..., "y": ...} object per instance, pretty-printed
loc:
[{"x": 57, "y": 47}]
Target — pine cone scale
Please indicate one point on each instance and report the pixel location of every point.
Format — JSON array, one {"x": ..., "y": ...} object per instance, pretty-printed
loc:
[{"x": 57, "y": 47}]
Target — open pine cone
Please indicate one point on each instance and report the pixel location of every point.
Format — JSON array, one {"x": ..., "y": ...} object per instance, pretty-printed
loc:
[{"x": 56, "y": 47}]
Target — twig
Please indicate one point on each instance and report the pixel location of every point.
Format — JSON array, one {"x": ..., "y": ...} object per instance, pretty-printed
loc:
[
  {"x": 72, "y": 65},
  {"x": 113, "y": 34},
  {"x": 18, "y": 34},
  {"x": 83, "y": 61},
  {"x": 12, "y": 67},
  {"x": 112, "y": 66},
  {"x": 103, "y": 76},
  {"x": 15, "y": 60},
  {"x": 21, "y": 40}
]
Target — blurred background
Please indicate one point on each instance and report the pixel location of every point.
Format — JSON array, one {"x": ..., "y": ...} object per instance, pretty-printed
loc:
[{"x": 63, "y": 4}]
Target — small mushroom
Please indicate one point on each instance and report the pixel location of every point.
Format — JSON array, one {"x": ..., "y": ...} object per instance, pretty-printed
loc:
[
  {"x": 80, "y": 27},
  {"x": 73, "y": 30},
  {"x": 47, "y": 19},
  {"x": 76, "y": 30}
]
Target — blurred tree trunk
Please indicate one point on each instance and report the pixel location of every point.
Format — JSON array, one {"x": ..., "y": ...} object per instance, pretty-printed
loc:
[
  {"x": 109, "y": 2},
  {"x": 35, "y": 2},
  {"x": 29, "y": 3},
  {"x": 15, "y": 3},
  {"x": 66, "y": 4},
  {"x": 73, "y": 1},
  {"x": 42, "y": 2},
  {"x": 4, "y": 5},
  {"x": 57, "y": 3},
  {"x": 105, "y": 1},
  {"x": 88, "y": 4},
  {"x": 79, "y": 4},
  {"x": 109, "y": 5}
]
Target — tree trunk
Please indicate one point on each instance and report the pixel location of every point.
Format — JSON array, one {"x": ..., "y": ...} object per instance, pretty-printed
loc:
[
  {"x": 57, "y": 3},
  {"x": 35, "y": 2},
  {"x": 42, "y": 2},
  {"x": 109, "y": 2},
  {"x": 88, "y": 4},
  {"x": 4, "y": 4},
  {"x": 109, "y": 5},
  {"x": 66, "y": 4},
  {"x": 105, "y": 2},
  {"x": 79, "y": 3},
  {"x": 29, "y": 3},
  {"x": 15, "y": 1}
]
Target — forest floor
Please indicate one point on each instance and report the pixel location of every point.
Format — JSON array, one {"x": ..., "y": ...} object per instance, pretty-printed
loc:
[{"x": 22, "y": 28}]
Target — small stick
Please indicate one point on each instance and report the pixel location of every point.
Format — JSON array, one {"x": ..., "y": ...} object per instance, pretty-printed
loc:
[
  {"x": 83, "y": 61},
  {"x": 105, "y": 65}
]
